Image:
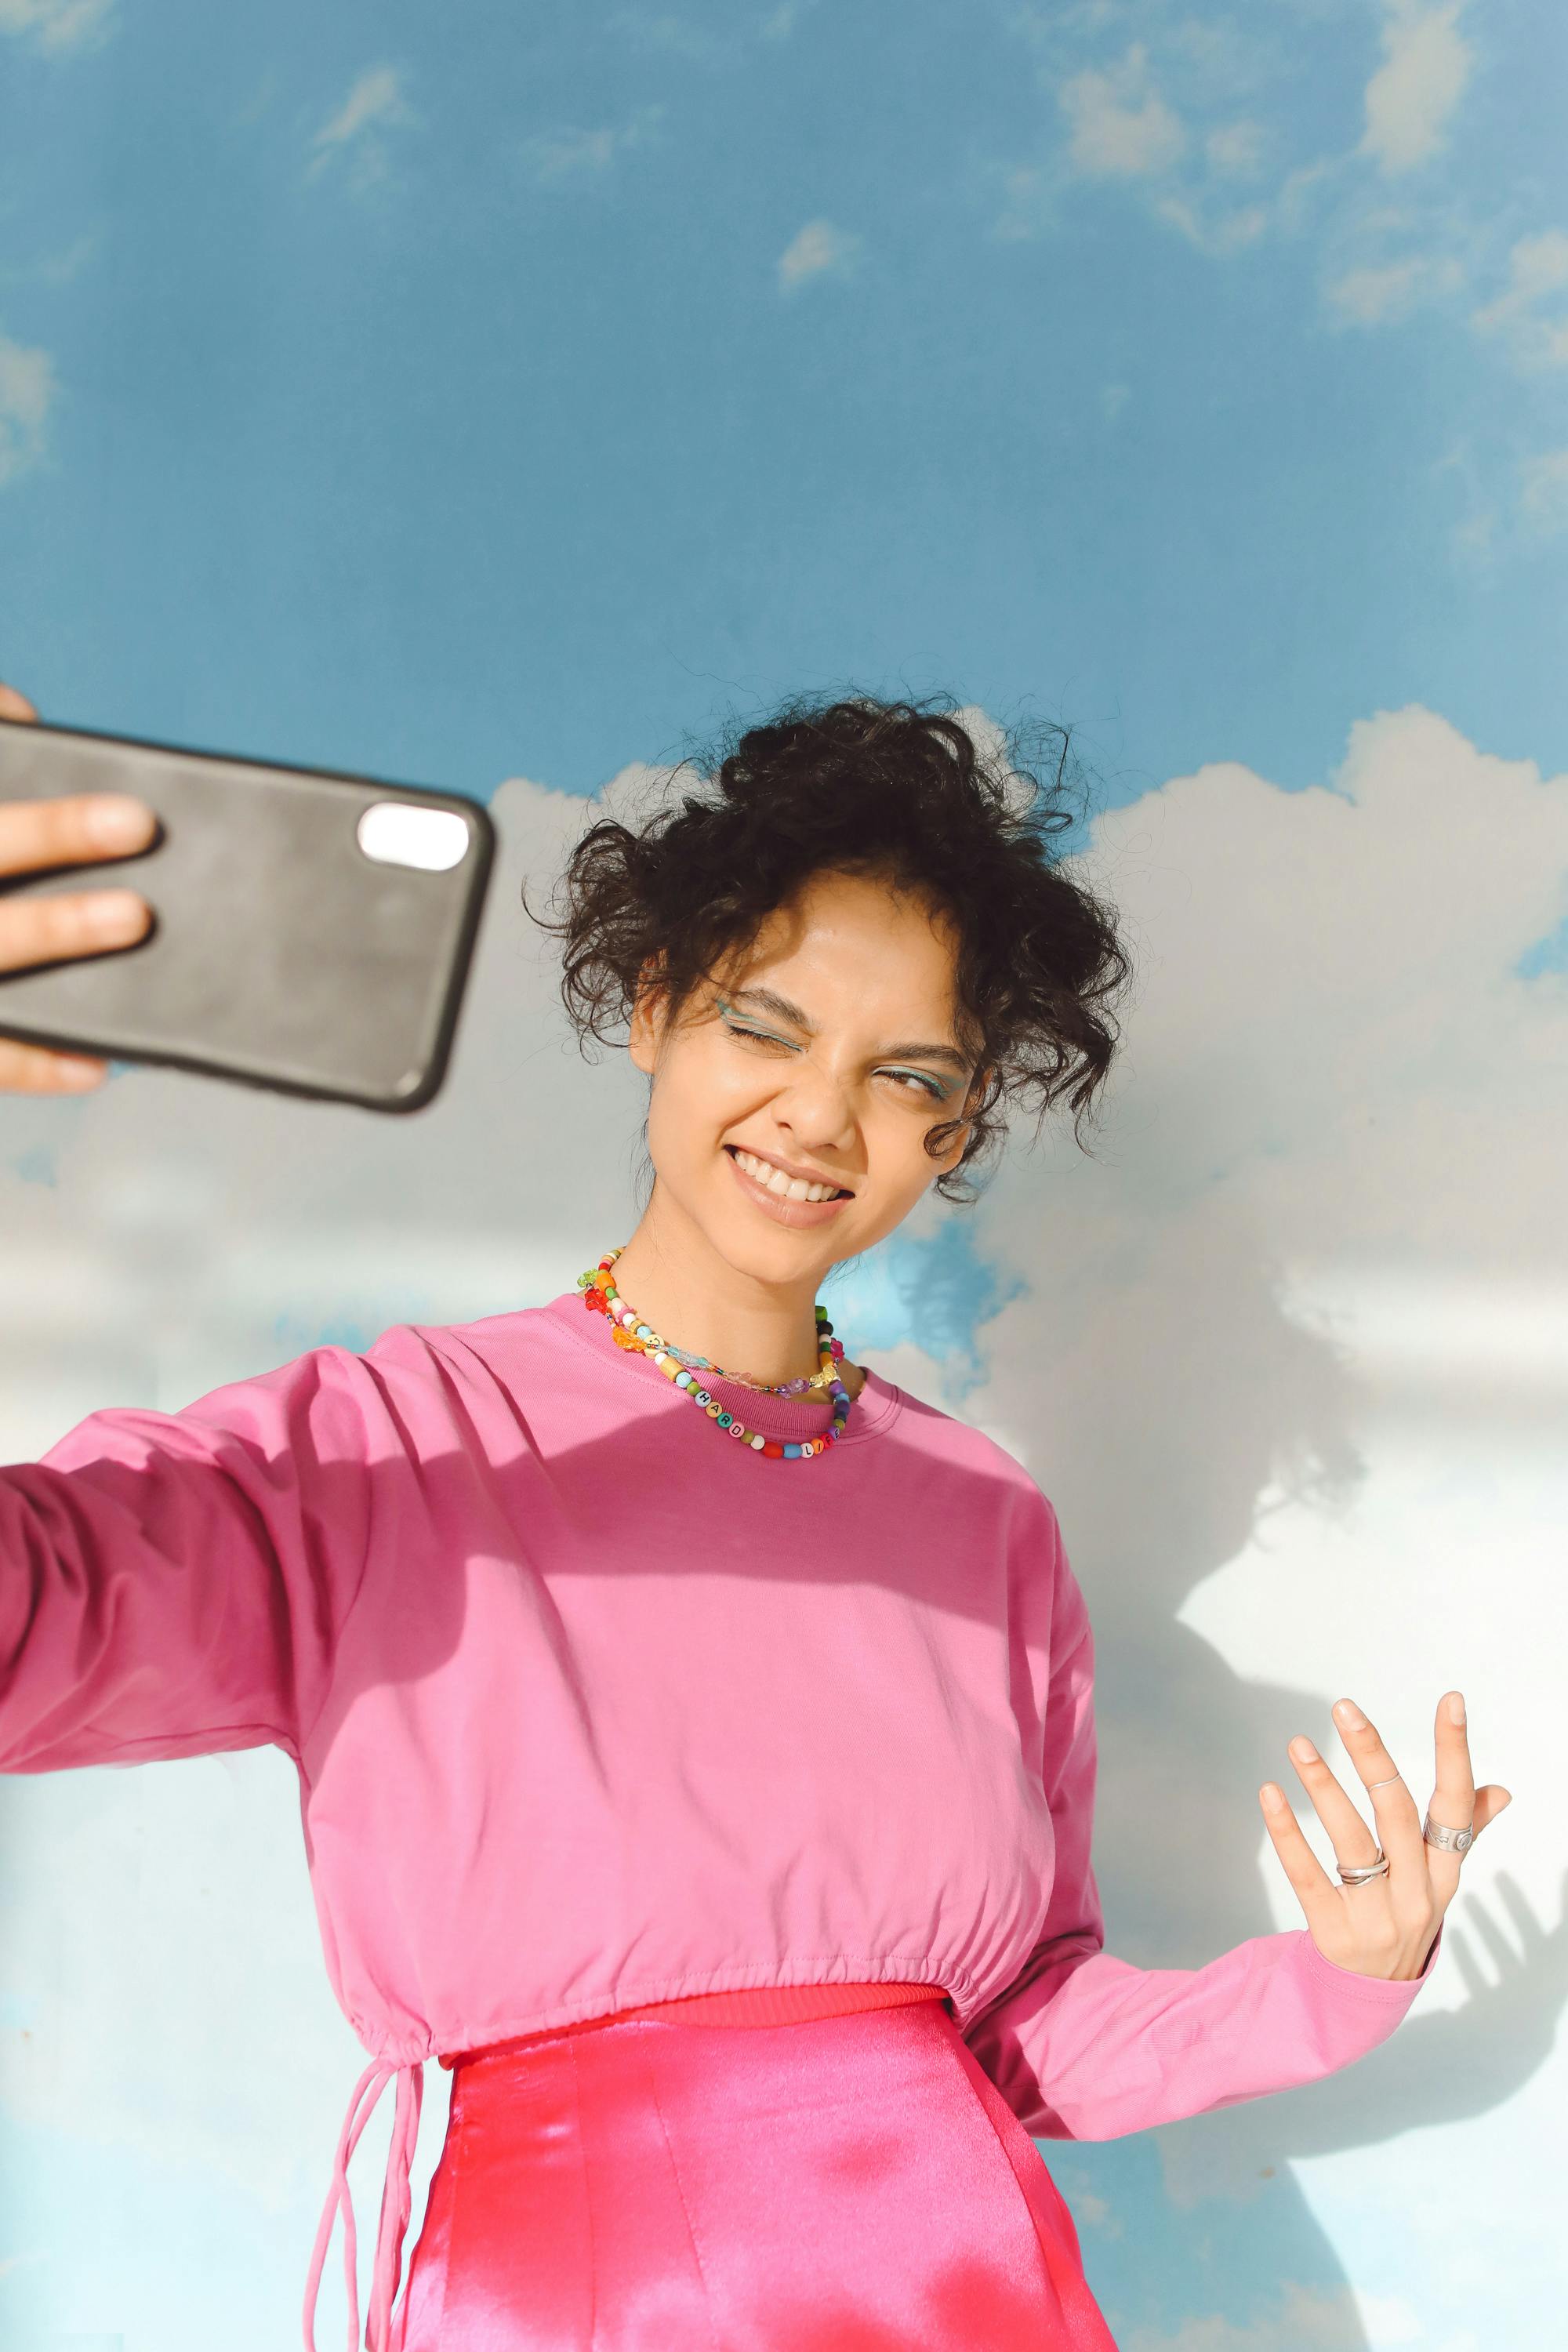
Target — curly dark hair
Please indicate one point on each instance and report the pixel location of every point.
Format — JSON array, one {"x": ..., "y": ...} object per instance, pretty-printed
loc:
[{"x": 895, "y": 791}]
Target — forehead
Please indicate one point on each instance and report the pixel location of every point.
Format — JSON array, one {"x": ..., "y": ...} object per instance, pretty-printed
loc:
[{"x": 853, "y": 941}]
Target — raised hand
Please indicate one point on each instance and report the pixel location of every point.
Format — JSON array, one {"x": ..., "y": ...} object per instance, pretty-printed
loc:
[
  {"x": 33, "y": 834},
  {"x": 1383, "y": 1925}
]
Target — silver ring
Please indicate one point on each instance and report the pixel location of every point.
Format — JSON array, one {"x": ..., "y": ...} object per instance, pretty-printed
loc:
[
  {"x": 1358, "y": 1876},
  {"x": 1449, "y": 1841},
  {"x": 1388, "y": 1783}
]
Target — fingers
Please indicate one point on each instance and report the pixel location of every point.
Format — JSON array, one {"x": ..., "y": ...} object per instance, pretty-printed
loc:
[
  {"x": 1394, "y": 1810},
  {"x": 1382, "y": 1926},
  {"x": 73, "y": 923},
  {"x": 1456, "y": 1800},
  {"x": 36, "y": 836},
  {"x": 13, "y": 705},
  {"x": 76, "y": 829},
  {"x": 1490, "y": 1802},
  {"x": 1354, "y": 1840},
  {"x": 1454, "y": 1797},
  {"x": 34, "y": 1070},
  {"x": 1312, "y": 1884},
  {"x": 40, "y": 931}
]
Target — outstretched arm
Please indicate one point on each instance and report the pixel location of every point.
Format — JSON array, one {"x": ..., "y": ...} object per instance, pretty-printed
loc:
[
  {"x": 1087, "y": 2046},
  {"x": 173, "y": 1584}
]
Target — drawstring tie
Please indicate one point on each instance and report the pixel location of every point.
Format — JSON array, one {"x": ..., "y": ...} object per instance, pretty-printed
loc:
[{"x": 396, "y": 2203}]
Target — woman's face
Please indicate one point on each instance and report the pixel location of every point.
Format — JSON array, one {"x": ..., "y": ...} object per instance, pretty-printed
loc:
[{"x": 825, "y": 1056}]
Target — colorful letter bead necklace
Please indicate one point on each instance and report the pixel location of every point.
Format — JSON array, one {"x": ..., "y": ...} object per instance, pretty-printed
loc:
[{"x": 629, "y": 1330}]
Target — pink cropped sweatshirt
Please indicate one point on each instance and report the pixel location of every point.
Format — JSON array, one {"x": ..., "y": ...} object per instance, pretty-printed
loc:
[{"x": 592, "y": 1708}]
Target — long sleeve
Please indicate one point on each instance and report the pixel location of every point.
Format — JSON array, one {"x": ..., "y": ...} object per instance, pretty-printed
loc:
[
  {"x": 173, "y": 1584},
  {"x": 1087, "y": 2046}
]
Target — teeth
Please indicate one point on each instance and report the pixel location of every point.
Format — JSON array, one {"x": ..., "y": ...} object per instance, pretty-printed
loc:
[{"x": 788, "y": 1188}]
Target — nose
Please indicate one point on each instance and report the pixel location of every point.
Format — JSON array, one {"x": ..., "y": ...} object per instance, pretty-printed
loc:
[{"x": 816, "y": 1108}]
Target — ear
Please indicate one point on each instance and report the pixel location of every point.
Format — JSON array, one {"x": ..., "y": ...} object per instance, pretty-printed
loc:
[
  {"x": 646, "y": 1027},
  {"x": 952, "y": 1155},
  {"x": 956, "y": 1148}
]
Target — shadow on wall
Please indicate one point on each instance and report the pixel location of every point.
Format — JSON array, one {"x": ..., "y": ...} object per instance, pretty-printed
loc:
[
  {"x": 1292, "y": 1368},
  {"x": 1165, "y": 1422},
  {"x": 1166, "y": 1433}
]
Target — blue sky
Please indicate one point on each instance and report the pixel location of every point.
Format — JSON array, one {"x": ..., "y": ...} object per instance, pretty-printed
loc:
[{"x": 462, "y": 392}]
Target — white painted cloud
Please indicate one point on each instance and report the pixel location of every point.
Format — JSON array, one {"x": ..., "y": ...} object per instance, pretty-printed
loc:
[
  {"x": 1411, "y": 99},
  {"x": 1119, "y": 125},
  {"x": 570, "y": 154},
  {"x": 374, "y": 98},
  {"x": 1211, "y": 229},
  {"x": 1181, "y": 111},
  {"x": 653, "y": 29},
  {"x": 57, "y": 25},
  {"x": 1236, "y": 150},
  {"x": 1532, "y": 311},
  {"x": 575, "y": 154},
  {"x": 357, "y": 132},
  {"x": 59, "y": 268},
  {"x": 1203, "y": 118},
  {"x": 1543, "y": 492},
  {"x": 818, "y": 250},
  {"x": 1292, "y": 1363},
  {"x": 1379, "y": 294},
  {"x": 27, "y": 394}
]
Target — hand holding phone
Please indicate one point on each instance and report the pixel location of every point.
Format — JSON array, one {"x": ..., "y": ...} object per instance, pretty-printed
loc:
[
  {"x": 297, "y": 928},
  {"x": 38, "y": 835}
]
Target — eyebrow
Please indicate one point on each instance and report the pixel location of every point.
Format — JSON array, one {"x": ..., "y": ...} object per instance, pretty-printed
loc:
[{"x": 783, "y": 1010}]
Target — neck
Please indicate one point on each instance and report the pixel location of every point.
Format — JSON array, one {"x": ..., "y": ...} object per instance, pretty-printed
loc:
[{"x": 677, "y": 1282}]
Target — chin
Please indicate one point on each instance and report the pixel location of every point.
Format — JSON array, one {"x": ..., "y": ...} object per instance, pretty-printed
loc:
[
  {"x": 768, "y": 1253},
  {"x": 782, "y": 1257}
]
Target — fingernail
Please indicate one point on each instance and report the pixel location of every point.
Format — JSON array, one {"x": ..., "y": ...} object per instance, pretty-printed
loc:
[
  {"x": 1304, "y": 1751},
  {"x": 1456, "y": 1705},
  {"x": 117, "y": 823},
  {"x": 1350, "y": 1715},
  {"x": 78, "y": 1074}
]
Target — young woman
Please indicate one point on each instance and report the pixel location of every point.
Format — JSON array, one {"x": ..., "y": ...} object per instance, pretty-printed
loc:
[{"x": 695, "y": 1730}]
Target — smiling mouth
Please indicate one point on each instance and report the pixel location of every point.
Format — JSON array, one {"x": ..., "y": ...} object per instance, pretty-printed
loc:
[{"x": 785, "y": 1188}]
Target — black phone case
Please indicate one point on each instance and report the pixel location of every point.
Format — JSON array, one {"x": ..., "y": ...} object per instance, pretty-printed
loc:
[{"x": 282, "y": 954}]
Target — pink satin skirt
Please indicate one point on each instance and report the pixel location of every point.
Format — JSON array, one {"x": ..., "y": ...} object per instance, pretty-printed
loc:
[{"x": 655, "y": 2182}]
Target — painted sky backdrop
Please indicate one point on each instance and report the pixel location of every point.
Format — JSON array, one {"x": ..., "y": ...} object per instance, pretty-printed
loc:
[
  {"x": 497, "y": 395},
  {"x": 456, "y": 391},
  {"x": 1290, "y": 1354}
]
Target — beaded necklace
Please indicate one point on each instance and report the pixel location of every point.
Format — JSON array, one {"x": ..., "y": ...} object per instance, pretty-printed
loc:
[
  {"x": 803, "y": 1384},
  {"x": 600, "y": 1296}
]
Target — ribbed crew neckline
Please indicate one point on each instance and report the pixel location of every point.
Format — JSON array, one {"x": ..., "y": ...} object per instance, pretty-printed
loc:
[{"x": 788, "y": 1419}]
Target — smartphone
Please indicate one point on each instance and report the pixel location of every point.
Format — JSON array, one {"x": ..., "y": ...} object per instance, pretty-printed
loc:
[{"x": 312, "y": 931}]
